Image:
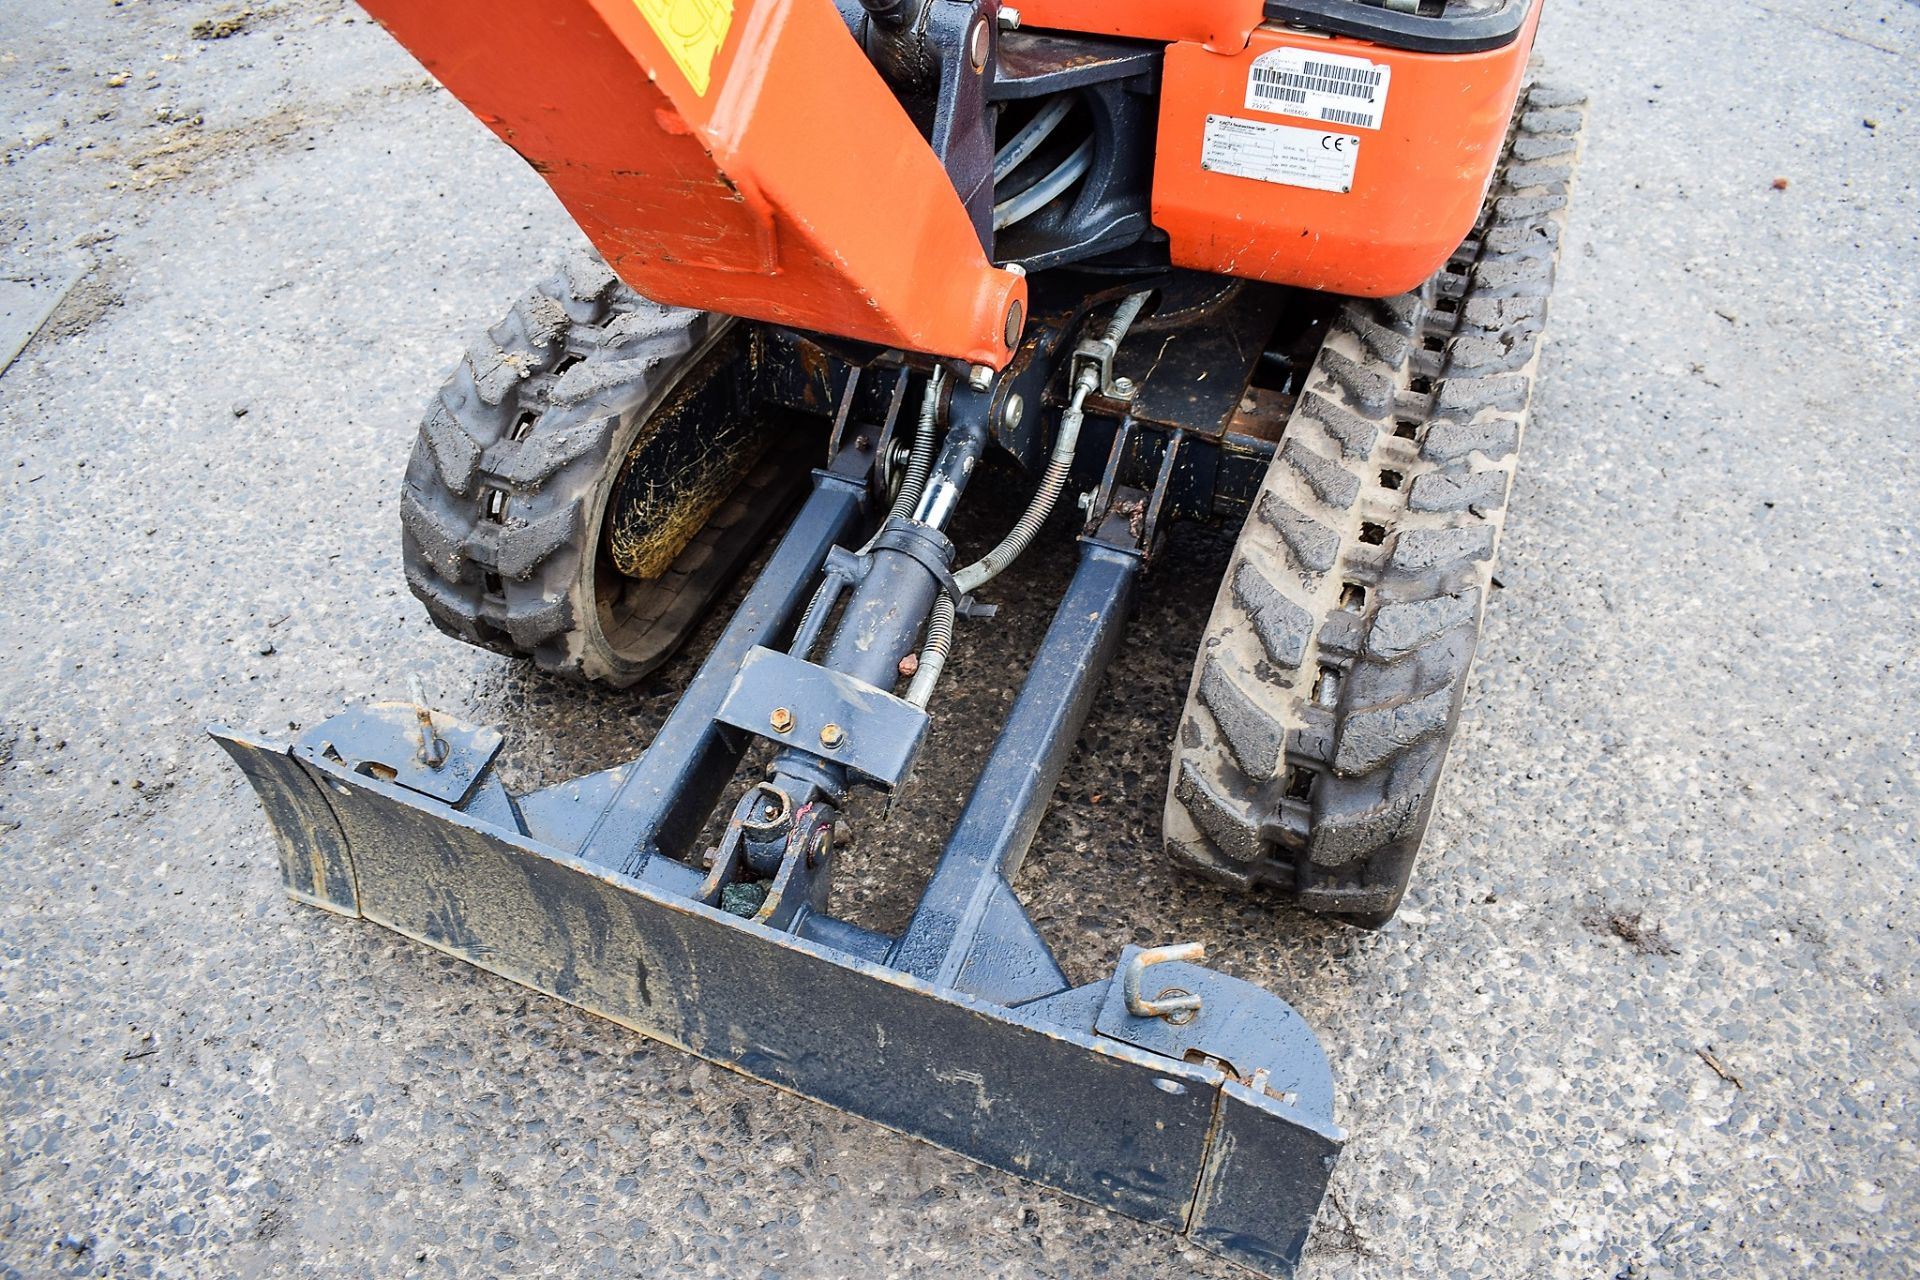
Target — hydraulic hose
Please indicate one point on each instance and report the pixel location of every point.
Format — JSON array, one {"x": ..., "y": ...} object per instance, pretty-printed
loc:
[
  {"x": 1028, "y": 140},
  {"x": 805, "y": 636},
  {"x": 1059, "y": 464},
  {"x": 933, "y": 654},
  {"x": 1034, "y": 198},
  {"x": 920, "y": 460}
]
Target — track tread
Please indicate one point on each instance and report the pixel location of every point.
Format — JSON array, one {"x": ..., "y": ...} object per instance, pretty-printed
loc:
[
  {"x": 512, "y": 459},
  {"x": 1332, "y": 483},
  {"x": 1309, "y": 543},
  {"x": 1335, "y": 663},
  {"x": 1284, "y": 627}
]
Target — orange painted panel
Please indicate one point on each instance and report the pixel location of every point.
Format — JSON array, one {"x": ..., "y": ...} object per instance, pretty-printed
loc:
[
  {"x": 737, "y": 155},
  {"x": 1417, "y": 180},
  {"x": 1220, "y": 24}
]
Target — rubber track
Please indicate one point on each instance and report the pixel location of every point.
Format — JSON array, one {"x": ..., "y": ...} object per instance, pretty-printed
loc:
[
  {"x": 1331, "y": 677},
  {"x": 501, "y": 505}
]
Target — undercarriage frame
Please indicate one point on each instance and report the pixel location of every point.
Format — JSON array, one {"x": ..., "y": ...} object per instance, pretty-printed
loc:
[{"x": 1165, "y": 1091}]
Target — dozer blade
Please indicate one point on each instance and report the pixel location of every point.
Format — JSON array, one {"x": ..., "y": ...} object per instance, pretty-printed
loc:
[
  {"x": 1059, "y": 1091},
  {"x": 1206, "y": 1108}
]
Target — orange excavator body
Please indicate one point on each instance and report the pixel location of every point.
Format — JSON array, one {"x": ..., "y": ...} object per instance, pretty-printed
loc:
[
  {"x": 1387, "y": 204},
  {"x": 746, "y": 156}
]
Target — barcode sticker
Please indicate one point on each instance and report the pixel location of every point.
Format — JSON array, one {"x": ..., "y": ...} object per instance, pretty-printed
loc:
[
  {"x": 1329, "y": 87},
  {"x": 1280, "y": 153}
]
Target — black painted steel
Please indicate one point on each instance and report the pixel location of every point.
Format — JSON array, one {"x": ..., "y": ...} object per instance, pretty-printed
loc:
[
  {"x": 951, "y": 939},
  {"x": 963, "y": 1030},
  {"x": 1460, "y": 26},
  {"x": 666, "y": 798},
  {"x": 1044, "y": 1091},
  {"x": 1037, "y": 1092}
]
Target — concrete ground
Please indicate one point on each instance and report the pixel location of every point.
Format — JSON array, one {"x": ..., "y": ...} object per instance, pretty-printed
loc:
[{"x": 1650, "y": 1010}]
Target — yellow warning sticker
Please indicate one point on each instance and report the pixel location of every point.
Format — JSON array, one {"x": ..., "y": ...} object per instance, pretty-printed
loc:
[{"x": 693, "y": 31}]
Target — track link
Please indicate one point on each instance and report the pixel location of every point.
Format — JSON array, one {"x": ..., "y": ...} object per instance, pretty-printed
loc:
[{"x": 1331, "y": 677}]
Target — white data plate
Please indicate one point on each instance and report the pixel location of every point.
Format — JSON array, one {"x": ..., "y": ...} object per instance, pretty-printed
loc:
[{"x": 1280, "y": 153}]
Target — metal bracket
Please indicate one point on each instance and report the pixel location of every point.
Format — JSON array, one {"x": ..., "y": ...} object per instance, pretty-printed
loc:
[
  {"x": 1211, "y": 1115},
  {"x": 1203, "y": 1016},
  {"x": 1099, "y": 352},
  {"x": 827, "y": 714},
  {"x": 362, "y": 739}
]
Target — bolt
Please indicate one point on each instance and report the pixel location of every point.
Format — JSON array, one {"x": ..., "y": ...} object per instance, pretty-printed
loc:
[
  {"x": 782, "y": 719},
  {"x": 909, "y": 664},
  {"x": 832, "y": 736},
  {"x": 1009, "y": 19},
  {"x": 979, "y": 44},
  {"x": 1085, "y": 502},
  {"x": 1179, "y": 1017},
  {"x": 980, "y": 377},
  {"x": 1123, "y": 387},
  {"x": 1013, "y": 411}
]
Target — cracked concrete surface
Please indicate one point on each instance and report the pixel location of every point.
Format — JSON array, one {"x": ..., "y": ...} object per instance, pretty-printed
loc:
[{"x": 1650, "y": 1010}]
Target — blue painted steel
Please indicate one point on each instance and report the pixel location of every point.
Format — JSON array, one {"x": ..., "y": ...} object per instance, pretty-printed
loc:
[
  {"x": 467, "y": 753},
  {"x": 663, "y": 801},
  {"x": 963, "y": 933},
  {"x": 1036, "y": 1092},
  {"x": 963, "y": 1031},
  {"x": 314, "y": 863},
  {"x": 879, "y": 734},
  {"x": 1233, "y": 1027}
]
